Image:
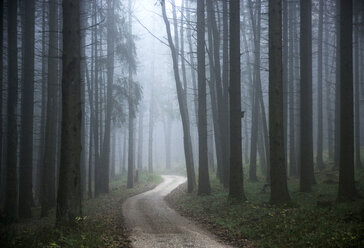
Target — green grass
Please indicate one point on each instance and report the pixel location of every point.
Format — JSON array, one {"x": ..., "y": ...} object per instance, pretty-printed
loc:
[
  {"x": 100, "y": 226},
  {"x": 301, "y": 223}
]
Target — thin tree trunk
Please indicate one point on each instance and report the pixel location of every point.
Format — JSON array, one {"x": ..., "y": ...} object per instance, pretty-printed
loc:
[
  {"x": 319, "y": 159},
  {"x": 110, "y": 78},
  {"x": 140, "y": 139},
  {"x": 11, "y": 207},
  {"x": 291, "y": 86},
  {"x": 203, "y": 169},
  {"x": 191, "y": 182},
  {"x": 356, "y": 90},
  {"x": 306, "y": 98},
  {"x": 48, "y": 198},
  {"x": 130, "y": 181}
]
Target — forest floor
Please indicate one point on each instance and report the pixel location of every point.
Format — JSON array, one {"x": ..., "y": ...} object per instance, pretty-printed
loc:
[
  {"x": 310, "y": 220},
  {"x": 102, "y": 224}
]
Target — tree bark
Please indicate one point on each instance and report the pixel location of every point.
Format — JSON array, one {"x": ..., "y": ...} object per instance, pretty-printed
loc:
[
  {"x": 347, "y": 190},
  {"x": 27, "y": 109},
  {"x": 291, "y": 87},
  {"x": 48, "y": 199},
  {"x": 203, "y": 169},
  {"x": 69, "y": 190},
  {"x": 319, "y": 159},
  {"x": 11, "y": 206},
  {"x": 278, "y": 177},
  {"x": 236, "y": 186},
  {"x": 306, "y": 98},
  {"x": 130, "y": 181}
]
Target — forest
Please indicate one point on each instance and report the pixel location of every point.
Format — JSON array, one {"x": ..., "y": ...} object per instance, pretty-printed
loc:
[{"x": 181, "y": 123}]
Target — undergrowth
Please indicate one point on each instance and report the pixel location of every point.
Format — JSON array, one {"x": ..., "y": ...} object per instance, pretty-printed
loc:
[
  {"x": 309, "y": 220},
  {"x": 100, "y": 226}
]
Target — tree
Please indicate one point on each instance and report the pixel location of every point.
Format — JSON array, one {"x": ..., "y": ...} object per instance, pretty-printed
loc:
[
  {"x": 1, "y": 91},
  {"x": 291, "y": 86},
  {"x": 48, "y": 198},
  {"x": 203, "y": 169},
  {"x": 11, "y": 206},
  {"x": 347, "y": 190},
  {"x": 26, "y": 136},
  {"x": 130, "y": 181},
  {"x": 69, "y": 190},
  {"x": 191, "y": 181},
  {"x": 306, "y": 146},
  {"x": 236, "y": 186},
  {"x": 110, "y": 79},
  {"x": 278, "y": 177},
  {"x": 319, "y": 88}
]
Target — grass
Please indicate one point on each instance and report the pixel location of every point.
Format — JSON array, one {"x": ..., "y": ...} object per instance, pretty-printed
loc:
[
  {"x": 302, "y": 223},
  {"x": 100, "y": 226}
]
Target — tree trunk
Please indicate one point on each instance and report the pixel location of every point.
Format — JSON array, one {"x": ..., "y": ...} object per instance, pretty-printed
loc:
[
  {"x": 203, "y": 169},
  {"x": 347, "y": 189},
  {"x": 69, "y": 190},
  {"x": 337, "y": 89},
  {"x": 140, "y": 138},
  {"x": 96, "y": 92},
  {"x": 1, "y": 99},
  {"x": 236, "y": 186},
  {"x": 278, "y": 177},
  {"x": 130, "y": 181},
  {"x": 319, "y": 159},
  {"x": 48, "y": 198},
  {"x": 306, "y": 98},
  {"x": 11, "y": 207},
  {"x": 191, "y": 182},
  {"x": 357, "y": 90},
  {"x": 291, "y": 86},
  {"x": 151, "y": 127},
  {"x": 110, "y": 78},
  {"x": 27, "y": 109}
]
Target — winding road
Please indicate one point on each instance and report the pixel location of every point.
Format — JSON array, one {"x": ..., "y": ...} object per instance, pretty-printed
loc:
[{"x": 154, "y": 224}]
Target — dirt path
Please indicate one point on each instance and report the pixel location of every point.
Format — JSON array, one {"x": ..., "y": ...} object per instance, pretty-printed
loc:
[{"x": 154, "y": 224}]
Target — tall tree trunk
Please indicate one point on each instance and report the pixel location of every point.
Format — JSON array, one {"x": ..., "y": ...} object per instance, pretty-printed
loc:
[
  {"x": 11, "y": 207},
  {"x": 319, "y": 160},
  {"x": 285, "y": 73},
  {"x": 306, "y": 97},
  {"x": 48, "y": 198},
  {"x": 203, "y": 169},
  {"x": 84, "y": 24},
  {"x": 278, "y": 177},
  {"x": 69, "y": 190},
  {"x": 191, "y": 181},
  {"x": 225, "y": 84},
  {"x": 26, "y": 135},
  {"x": 236, "y": 186},
  {"x": 337, "y": 89},
  {"x": 110, "y": 78},
  {"x": 96, "y": 92},
  {"x": 1, "y": 98},
  {"x": 291, "y": 87},
  {"x": 347, "y": 189},
  {"x": 255, "y": 20},
  {"x": 130, "y": 181},
  {"x": 356, "y": 90}
]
